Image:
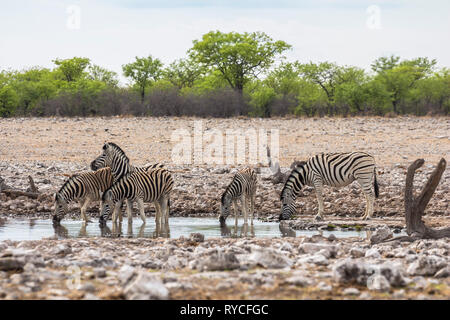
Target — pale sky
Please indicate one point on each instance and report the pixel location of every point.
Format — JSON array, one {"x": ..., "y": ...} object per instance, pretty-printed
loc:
[{"x": 111, "y": 33}]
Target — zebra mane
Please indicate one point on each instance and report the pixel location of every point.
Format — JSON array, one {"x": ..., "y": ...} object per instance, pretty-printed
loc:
[{"x": 118, "y": 149}]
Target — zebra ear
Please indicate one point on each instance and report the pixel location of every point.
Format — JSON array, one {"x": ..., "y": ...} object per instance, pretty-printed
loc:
[{"x": 105, "y": 146}]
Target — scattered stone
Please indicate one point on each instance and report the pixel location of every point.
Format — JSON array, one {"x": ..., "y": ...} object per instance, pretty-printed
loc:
[
  {"x": 197, "y": 237},
  {"x": 351, "y": 292},
  {"x": 381, "y": 234},
  {"x": 427, "y": 265},
  {"x": 372, "y": 253},
  {"x": 218, "y": 260},
  {"x": 146, "y": 287},
  {"x": 10, "y": 264},
  {"x": 269, "y": 258},
  {"x": 378, "y": 282},
  {"x": 357, "y": 252}
]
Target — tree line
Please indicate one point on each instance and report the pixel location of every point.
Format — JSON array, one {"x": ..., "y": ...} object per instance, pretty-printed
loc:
[{"x": 224, "y": 75}]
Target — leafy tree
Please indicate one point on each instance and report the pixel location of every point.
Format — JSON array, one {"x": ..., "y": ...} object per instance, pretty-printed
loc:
[
  {"x": 183, "y": 73},
  {"x": 400, "y": 77},
  {"x": 238, "y": 57},
  {"x": 143, "y": 71},
  {"x": 72, "y": 69},
  {"x": 98, "y": 73}
]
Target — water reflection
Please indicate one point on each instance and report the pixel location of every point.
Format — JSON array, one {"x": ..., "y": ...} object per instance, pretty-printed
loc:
[
  {"x": 23, "y": 229},
  {"x": 287, "y": 231},
  {"x": 60, "y": 230},
  {"x": 162, "y": 231},
  {"x": 237, "y": 232}
]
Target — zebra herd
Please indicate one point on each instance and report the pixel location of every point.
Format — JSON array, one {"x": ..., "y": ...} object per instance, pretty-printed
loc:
[{"x": 114, "y": 180}]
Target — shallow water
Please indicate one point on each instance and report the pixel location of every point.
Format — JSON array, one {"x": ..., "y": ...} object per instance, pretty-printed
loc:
[{"x": 36, "y": 229}]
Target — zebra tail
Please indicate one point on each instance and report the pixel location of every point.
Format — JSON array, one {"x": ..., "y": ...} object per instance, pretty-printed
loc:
[{"x": 375, "y": 183}]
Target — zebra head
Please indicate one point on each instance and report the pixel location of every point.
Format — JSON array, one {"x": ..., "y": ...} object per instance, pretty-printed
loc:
[
  {"x": 106, "y": 207},
  {"x": 60, "y": 208},
  {"x": 225, "y": 205},
  {"x": 114, "y": 157},
  {"x": 291, "y": 189},
  {"x": 103, "y": 160}
]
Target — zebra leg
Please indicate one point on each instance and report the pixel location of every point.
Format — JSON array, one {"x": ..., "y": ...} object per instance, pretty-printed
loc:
[
  {"x": 165, "y": 209},
  {"x": 87, "y": 200},
  {"x": 244, "y": 207},
  {"x": 141, "y": 209},
  {"x": 235, "y": 216},
  {"x": 318, "y": 186},
  {"x": 366, "y": 185},
  {"x": 157, "y": 212},
  {"x": 252, "y": 206},
  {"x": 369, "y": 207},
  {"x": 117, "y": 212},
  {"x": 130, "y": 211}
]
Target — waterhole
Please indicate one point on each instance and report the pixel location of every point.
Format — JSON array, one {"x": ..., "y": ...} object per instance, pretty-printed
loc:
[{"x": 36, "y": 229}]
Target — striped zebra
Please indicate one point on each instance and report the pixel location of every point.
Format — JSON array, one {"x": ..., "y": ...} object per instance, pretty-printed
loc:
[
  {"x": 115, "y": 158},
  {"x": 243, "y": 188},
  {"x": 153, "y": 185},
  {"x": 335, "y": 170},
  {"x": 85, "y": 187}
]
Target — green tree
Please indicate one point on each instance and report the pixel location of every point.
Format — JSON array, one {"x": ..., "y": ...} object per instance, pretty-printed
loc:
[
  {"x": 143, "y": 71},
  {"x": 183, "y": 73},
  {"x": 239, "y": 57},
  {"x": 72, "y": 69},
  {"x": 98, "y": 73},
  {"x": 400, "y": 77}
]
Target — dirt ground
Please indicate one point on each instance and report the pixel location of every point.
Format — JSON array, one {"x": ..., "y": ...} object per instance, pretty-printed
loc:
[{"x": 391, "y": 141}]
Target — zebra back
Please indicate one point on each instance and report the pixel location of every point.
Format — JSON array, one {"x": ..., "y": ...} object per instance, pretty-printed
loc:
[
  {"x": 149, "y": 184},
  {"x": 243, "y": 181},
  {"x": 88, "y": 183}
]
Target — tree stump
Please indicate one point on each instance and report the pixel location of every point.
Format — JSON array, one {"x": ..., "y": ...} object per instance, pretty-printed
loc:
[{"x": 415, "y": 206}]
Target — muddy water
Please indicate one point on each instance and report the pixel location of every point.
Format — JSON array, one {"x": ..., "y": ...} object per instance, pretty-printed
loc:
[{"x": 36, "y": 229}]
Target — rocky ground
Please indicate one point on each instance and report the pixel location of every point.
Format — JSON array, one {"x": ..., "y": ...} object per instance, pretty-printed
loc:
[
  {"x": 192, "y": 268},
  {"x": 248, "y": 268}
]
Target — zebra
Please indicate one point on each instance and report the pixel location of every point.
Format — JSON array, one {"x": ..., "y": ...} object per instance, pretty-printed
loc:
[
  {"x": 243, "y": 187},
  {"x": 115, "y": 158},
  {"x": 85, "y": 187},
  {"x": 332, "y": 169},
  {"x": 153, "y": 185}
]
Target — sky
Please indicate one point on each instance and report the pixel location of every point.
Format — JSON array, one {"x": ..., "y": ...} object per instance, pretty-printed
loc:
[{"x": 113, "y": 32}]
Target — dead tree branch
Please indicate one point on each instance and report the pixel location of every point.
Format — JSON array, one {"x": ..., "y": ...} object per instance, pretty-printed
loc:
[
  {"x": 415, "y": 206},
  {"x": 32, "y": 191}
]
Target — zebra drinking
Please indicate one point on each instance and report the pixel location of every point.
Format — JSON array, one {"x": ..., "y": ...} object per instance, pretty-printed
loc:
[
  {"x": 115, "y": 158},
  {"x": 243, "y": 188},
  {"x": 153, "y": 185},
  {"x": 85, "y": 187},
  {"x": 332, "y": 169}
]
